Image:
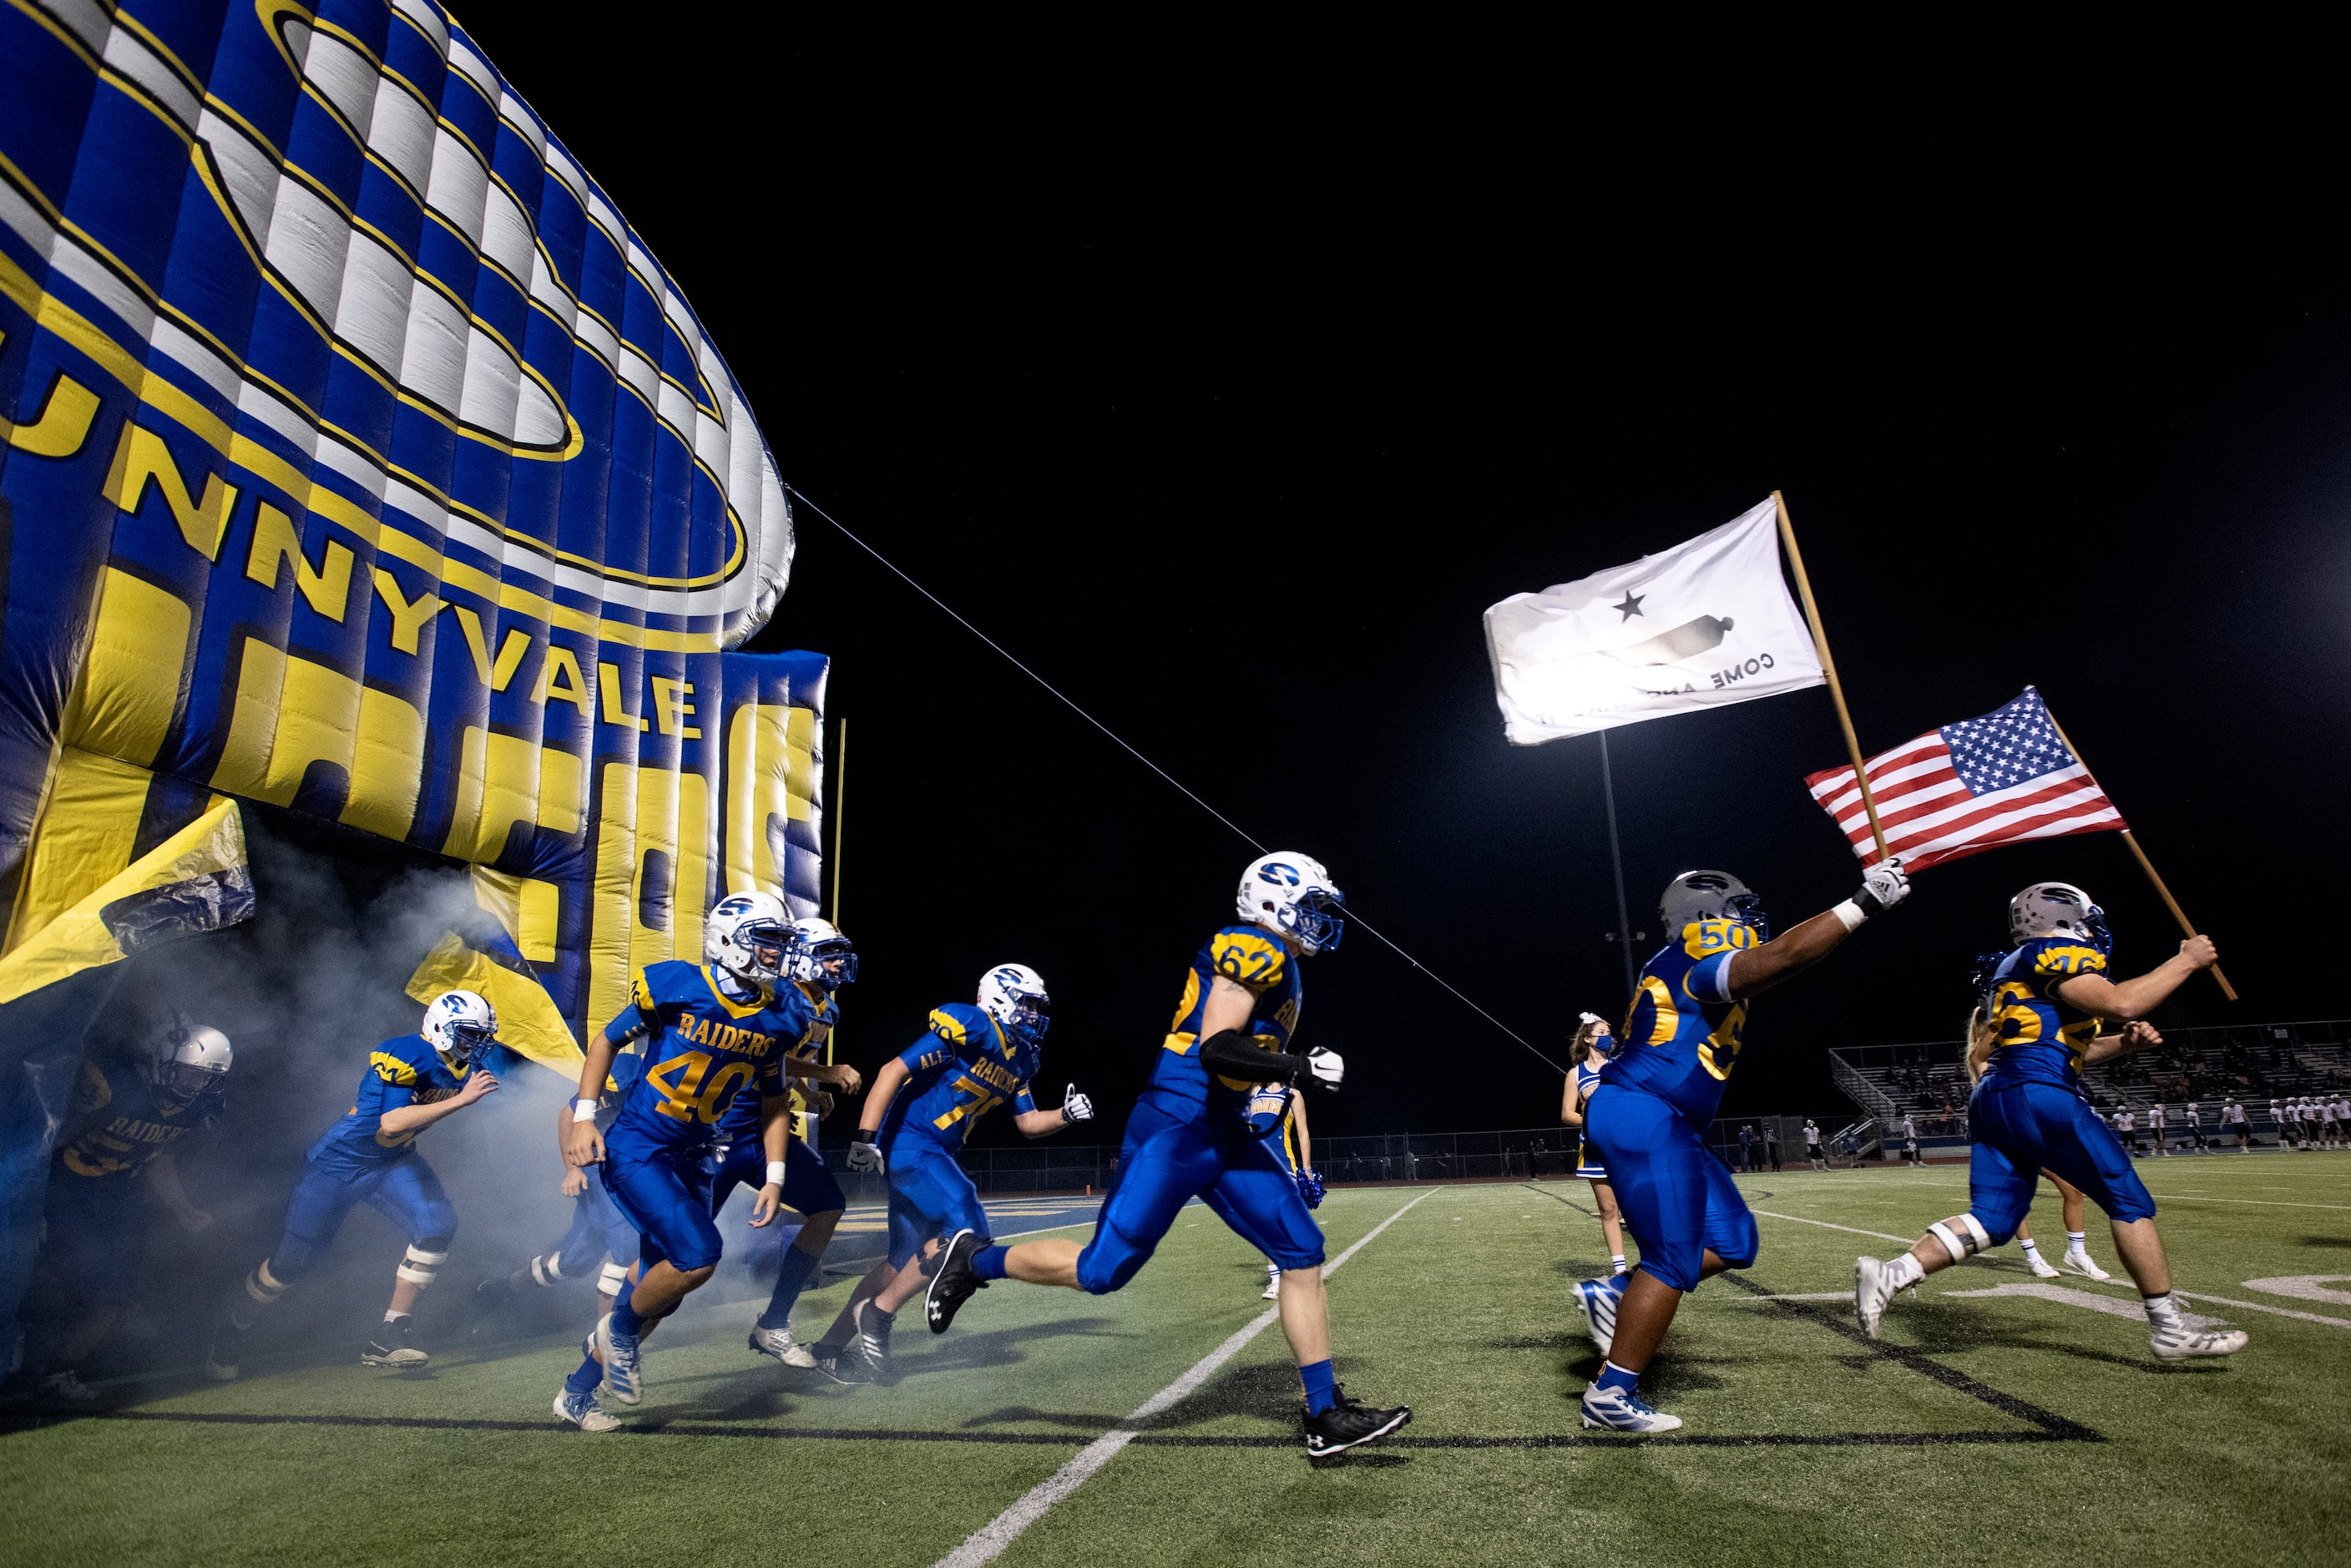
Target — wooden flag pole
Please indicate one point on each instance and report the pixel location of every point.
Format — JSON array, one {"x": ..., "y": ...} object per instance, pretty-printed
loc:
[
  {"x": 2145, "y": 864},
  {"x": 1828, "y": 668}
]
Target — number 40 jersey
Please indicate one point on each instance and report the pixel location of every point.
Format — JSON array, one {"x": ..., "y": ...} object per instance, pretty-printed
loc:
[{"x": 701, "y": 1049}]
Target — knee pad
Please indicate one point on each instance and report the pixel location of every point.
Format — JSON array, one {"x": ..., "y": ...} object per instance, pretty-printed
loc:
[
  {"x": 546, "y": 1271},
  {"x": 1970, "y": 1238},
  {"x": 423, "y": 1263},
  {"x": 614, "y": 1276},
  {"x": 264, "y": 1285}
]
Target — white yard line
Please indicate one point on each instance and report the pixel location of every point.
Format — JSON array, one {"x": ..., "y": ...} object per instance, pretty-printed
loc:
[
  {"x": 985, "y": 1543},
  {"x": 1824, "y": 1225},
  {"x": 2249, "y": 1202}
]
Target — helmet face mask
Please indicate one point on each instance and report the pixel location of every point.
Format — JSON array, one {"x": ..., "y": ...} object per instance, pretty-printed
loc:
[
  {"x": 1014, "y": 996},
  {"x": 461, "y": 1027},
  {"x": 749, "y": 936},
  {"x": 1712, "y": 895},
  {"x": 820, "y": 955},
  {"x": 193, "y": 1063},
  {"x": 1294, "y": 895}
]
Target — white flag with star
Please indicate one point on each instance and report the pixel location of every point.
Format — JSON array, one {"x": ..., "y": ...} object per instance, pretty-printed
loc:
[{"x": 1703, "y": 624}]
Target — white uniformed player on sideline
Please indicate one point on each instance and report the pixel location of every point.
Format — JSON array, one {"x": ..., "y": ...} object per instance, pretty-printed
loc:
[
  {"x": 2126, "y": 1123},
  {"x": 2193, "y": 1120},
  {"x": 2045, "y": 1008},
  {"x": 2232, "y": 1120},
  {"x": 1813, "y": 1155},
  {"x": 1910, "y": 1155},
  {"x": 2157, "y": 1120},
  {"x": 1587, "y": 1054}
]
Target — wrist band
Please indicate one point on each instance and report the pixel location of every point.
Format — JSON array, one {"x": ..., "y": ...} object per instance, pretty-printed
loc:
[
  {"x": 1849, "y": 914},
  {"x": 869, "y": 1136},
  {"x": 583, "y": 1110},
  {"x": 775, "y": 1173}
]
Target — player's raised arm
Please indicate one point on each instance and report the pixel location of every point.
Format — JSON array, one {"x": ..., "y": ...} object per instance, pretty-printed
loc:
[
  {"x": 583, "y": 1143},
  {"x": 2135, "y": 998},
  {"x": 1755, "y": 969}
]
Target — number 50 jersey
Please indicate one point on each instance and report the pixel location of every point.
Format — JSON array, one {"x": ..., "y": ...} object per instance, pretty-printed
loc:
[
  {"x": 701, "y": 1050},
  {"x": 1682, "y": 1034}
]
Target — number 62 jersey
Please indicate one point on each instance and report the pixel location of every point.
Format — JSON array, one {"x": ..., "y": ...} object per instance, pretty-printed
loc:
[{"x": 701, "y": 1049}]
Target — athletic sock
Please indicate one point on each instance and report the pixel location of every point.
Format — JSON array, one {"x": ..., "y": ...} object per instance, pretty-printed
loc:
[
  {"x": 391, "y": 1317},
  {"x": 1615, "y": 1263},
  {"x": 2163, "y": 1311},
  {"x": 2077, "y": 1241},
  {"x": 1615, "y": 1379},
  {"x": 1320, "y": 1387},
  {"x": 586, "y": 1380},
  {"x": 625, "y": 1319},
  {"x": 2032, "y": 1248},
  {"x": 1905, "y": 1271},
  {"x": 988, "y": 1263},
  {"x": 790, "y": 1280}
]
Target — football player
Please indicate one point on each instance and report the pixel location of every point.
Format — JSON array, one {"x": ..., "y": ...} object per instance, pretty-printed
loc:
[
  {"x": 1202, "y": 1130},
  {"x": 1295, "y": 1144},
  {"x": 119, "y": 1142},
  {"x": 713, "y": 1033},
  {"x": 818, "y": 961},
  {"x": 2045, "y": 1009},
  {"x": 370, "y": 1157},
  {"x": 1648, "y": 1116},
  {"x": 596, "y": 1229},
  {"x": 925, "y": 1102},
  {"x": 1587, "y": 1054}
]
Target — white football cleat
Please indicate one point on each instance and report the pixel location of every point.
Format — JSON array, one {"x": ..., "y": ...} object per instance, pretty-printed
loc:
[
  {"x": 1872, "y": 1289},
  {"x": 779, "y": 1345},
  {"x": 1623, "y": 1410},
  {"x": 1272, "y": 1285},
  {"x": 2177, "y": 1341},
  {"x": 2041, "y": 1268},
  {"x": 2080, "y": 1263},
  {"x": 580, "y": 1410},
  {"x": 1597, "y": 1298},
  {"x": 619, "y": 1355}
]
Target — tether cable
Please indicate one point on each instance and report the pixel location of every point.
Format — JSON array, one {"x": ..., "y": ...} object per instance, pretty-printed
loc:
[{"x": 801, "y": 495}]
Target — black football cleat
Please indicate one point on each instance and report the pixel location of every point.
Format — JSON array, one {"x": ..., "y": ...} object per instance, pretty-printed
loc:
[
  {"x": 954, "y": 1282},
  {"x": 395, "y": 1345},
  {"x": 1350, "y": 1424},
  {"x": 223, "y": 1356}
]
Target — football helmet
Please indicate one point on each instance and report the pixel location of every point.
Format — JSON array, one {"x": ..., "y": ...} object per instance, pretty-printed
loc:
[
  {"x": 2057, "y": 909},
  {"x": 820, "y": 955},
  {"x": 461, "y": 1026},
  {"x": 1292, "y": 893},
  {"x": 1014, "y": 996},
  {"x": 192, "y": 1061},
  {"x": 1710, "y": 895},
  {"x": 745, "y": 934}
]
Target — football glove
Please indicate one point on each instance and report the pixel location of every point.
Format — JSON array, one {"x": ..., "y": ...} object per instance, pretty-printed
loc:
[
  {"x": 1076, "y": 1107},
  {"x": 1326, "y": 1067},
  {"x": 1310, "y": 1189},
  {"x": 866, "y": 1158},
  {"x": 1883, "y": 886}
]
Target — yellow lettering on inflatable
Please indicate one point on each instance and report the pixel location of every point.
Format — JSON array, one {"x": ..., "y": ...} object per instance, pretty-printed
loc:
[
  {"x": 290, "y": 712},
  {"x": 671, "y": 709},
  {"x": 471, "y": 624},
  {"x": 646, "y": 811},
  {"x": 559, "y": 681},
  {"x": 329, "y": 589},
  {"x": 90, "y": 825},
  {"x": 409, "y": 617},
  {"x": 63, "y": 421},
  {"x": 535, "y": 928},
  {"x": 139, "y": 456},
  {"x": 503, "y": 779},
  {"x": 608, "y": 684},
  {"x": 770, "y": 781},
  {"x": 387, "y": 765},
  {"x": 130, "y": 687}
]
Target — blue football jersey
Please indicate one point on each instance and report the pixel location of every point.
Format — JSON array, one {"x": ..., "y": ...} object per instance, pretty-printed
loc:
[
  {"x": 1267, "y": 970},
  {"x": 2037, "y": 1036},
  {"x": 403, "y": 1072},
  {"x": 960, "y": 1069},
  {"x": 1682, "y": 1037},
  {"x": 703, "y": 1053},
  {"x": 118, "y": 1122},
  {"x": 742, "y": 1120}
]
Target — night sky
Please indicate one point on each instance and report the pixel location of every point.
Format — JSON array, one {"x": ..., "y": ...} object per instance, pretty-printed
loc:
[{"x": 1232, "y": 430}]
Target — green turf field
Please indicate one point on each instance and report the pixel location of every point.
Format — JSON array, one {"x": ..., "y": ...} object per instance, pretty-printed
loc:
[{"x": 2010, "y": 1428}]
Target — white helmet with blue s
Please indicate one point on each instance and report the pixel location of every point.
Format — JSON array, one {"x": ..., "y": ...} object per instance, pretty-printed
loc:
[
  {"x": 820, "y": 955},
  {"x": 1014, "y": 996},
  {"x": 747, "y": 934},
  {"x": 193, "y": 1061},
  {"x": 460, "y": 1025},
  {"x": 1294, "y": 895}
]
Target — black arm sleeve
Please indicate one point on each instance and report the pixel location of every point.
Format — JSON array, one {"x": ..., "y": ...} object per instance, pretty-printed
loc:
[{"x": 1230, "y": 1055}]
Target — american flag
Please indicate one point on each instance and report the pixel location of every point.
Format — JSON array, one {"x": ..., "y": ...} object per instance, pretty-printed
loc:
[{"x": 1974, "y": 785}]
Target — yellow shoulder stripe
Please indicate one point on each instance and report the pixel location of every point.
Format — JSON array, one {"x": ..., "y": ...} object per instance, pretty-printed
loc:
[
  {"x": 390, "y": 1068},
  {"x": 944, "y": 1025}
]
